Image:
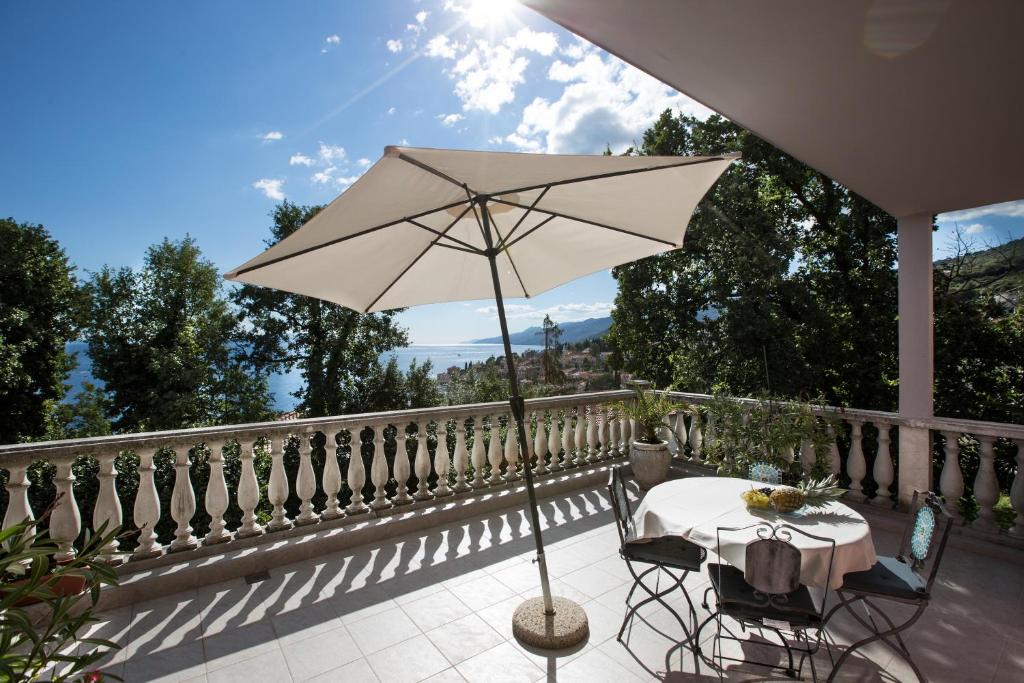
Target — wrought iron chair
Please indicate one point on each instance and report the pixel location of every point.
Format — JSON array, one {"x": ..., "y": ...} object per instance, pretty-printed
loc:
[
  {"x": 662, "y": 554},
  {"x": 899, "y": 579},
  {"x": 767, "y": 595}
]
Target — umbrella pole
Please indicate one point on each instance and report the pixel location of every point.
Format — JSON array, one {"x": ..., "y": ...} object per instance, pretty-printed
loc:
[{"x": 535, "y": 627}]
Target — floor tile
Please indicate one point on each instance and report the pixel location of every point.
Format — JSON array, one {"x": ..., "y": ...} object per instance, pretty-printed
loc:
[
  {"x": 464, "y": 638},
  {"x": 268, "y": 666},
  {"x": 436, "y": 609},
  {"x": 169, "y": 665},
  {"x": 358, "y": 671},
  {"x": 383, "y": 630},
  {"x": 594, "y": 666},
  {"x": 239, "y": 644},
  {"x": 321, "y": 653},
  {"x": 501, "y": 664},
  {"x": 408, "y": 662}
]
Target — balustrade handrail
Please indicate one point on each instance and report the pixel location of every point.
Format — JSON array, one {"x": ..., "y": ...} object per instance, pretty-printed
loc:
[{"x": 12, "y": 454}]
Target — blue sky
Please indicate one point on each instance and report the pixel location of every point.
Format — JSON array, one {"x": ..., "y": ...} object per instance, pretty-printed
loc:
[{"x": 127, "y": 122}]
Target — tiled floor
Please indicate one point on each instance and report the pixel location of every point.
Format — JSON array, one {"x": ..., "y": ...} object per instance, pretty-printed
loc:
[{"x": 437, "y": 606}]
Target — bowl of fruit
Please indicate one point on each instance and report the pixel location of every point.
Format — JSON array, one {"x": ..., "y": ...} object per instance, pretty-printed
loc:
[{"x": 809, "y": 493}]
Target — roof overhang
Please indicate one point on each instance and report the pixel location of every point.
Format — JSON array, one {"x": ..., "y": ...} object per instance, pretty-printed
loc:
[{"x": 915, "y": 104}]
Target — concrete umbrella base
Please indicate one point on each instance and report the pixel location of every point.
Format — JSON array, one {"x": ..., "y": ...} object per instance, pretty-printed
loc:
[{"x": 565, "y": 628}]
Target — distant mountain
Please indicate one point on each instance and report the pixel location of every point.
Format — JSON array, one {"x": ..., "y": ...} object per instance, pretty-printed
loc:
[
  {"x": 572, "y": 332},
  {"x": 997, "y": 269}
]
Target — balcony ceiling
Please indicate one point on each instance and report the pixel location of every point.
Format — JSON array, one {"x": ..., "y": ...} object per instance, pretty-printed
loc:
[{"x": 915, "y": 104}]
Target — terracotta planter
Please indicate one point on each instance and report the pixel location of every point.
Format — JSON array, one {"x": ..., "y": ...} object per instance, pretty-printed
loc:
[
  {"x": 66, "y": 586},
  {"x": 650, "y": 463}
]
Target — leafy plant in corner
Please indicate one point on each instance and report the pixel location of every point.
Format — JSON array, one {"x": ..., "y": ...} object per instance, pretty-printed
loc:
[
  {"x": 648, "y": 410},
  {"x": 40, "y": 623}
]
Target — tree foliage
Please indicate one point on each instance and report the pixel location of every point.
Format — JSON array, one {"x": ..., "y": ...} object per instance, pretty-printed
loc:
[
  {"x": 164, "y": 342},
  {"x": 40, "y": 312},
  {"x": 336, "y": 349}
]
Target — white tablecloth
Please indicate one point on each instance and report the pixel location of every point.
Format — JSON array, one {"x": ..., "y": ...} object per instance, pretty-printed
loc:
[{"x": 695, "y": 508}]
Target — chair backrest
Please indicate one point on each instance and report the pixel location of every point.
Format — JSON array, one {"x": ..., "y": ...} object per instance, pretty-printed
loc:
[
  {"x": 772, "y": 563},
  {"x": 919, "y": 548},
  {"x": 620, "y": 505}
]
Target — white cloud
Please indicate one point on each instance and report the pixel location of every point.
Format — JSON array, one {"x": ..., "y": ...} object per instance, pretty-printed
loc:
[
  {"x": 364, "y": 162},
  {"x": 345, "y": 181},
  {"x": 604, "y": 102},
  {"x": 271, "y": 188},
  {"x": 330, "y": 153},
  {"x": 391, "y": 111},
  {"x": 300, "y": 159},
  {"x": 559, "y": 312},
  {"x": 403, "y": 142},
  {"x": 421, "y": 16},
  {"x": 333, "y": 39},
  {"x": 1012, "y": 209},
  {"x": 974, "y": 228},
  {"x": 272, "y": 136},
  {"x": 324, "y": 176},
  {"x": 440, "y": 46},
  {"x": 420, "y": 25},
  {"x": 543, "y": 43},
  {"x": 449, "y": 119},
  {"x": 395, "y": 45}
]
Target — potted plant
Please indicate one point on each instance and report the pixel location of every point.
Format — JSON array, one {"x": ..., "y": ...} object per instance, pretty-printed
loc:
[{"x": 649, "y": 456}]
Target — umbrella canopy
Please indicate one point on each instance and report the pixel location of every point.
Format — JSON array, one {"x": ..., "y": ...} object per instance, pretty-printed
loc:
[{"x": 410, "y": 230}]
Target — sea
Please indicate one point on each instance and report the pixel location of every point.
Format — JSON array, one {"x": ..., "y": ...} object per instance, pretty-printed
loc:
[{"x": 443, "y": 356}]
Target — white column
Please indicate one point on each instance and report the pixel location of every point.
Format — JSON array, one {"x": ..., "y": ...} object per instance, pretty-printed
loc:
[
  {"x": 808, "y": 458},
  {"x": 216, "y": 500},
  {"x": 248, "y": 492},
  {"x": 567, "y": 440},
  {"x": 679, "y": 432},
  {"x": 356, "y": 477},
  {"x": 277, "y": 489},
  {"x": 540, "y": 446},
  {"x": 108, "y": 505},
  {"x": 331, "y": 479},
  {"x": 916, "y": 352},
  {"x": 18, "y": 508},
  {"x": 401, "y": 467},
  {"x": 1017, "y": 493},
  {"x": 581, "y": 436},
  {"x": 305, "y": 481},
  {"x": 183, "y": 502},
  {"x": 461, "y": 457},
  {"x": 856, "y": 466},
  {"x": 65, "y": 520},
  {"x": 594, "y": 455},
  {"x": 695, "y": 438},
  {"x": 602, "y": 433},
  {"x": 986, "y": 487},
  {"x": 478, "y": 453},
  {"x": 442, "y": 460},
  {"x": 613, "y": 434},
  {"x": 951, "y": 479},
  {"x": 494, "y": 452},
  {"x": 834, "y": 462},
  {"x": 883, "y": 470},
  {"x": 422, "y": 464},
  {"x": 379, "y": 470},
  {"x": 627, "y": 434},
  {"x": 512, "y": 450},
  {"x": 554, "y": 444}
]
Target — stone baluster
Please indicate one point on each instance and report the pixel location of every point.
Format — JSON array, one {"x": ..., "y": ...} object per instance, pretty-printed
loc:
[
  {"x": 554, "y": 444},
  {"x": 216, "y": 500},
  {"x": 401, "y": 467},
  {"x": 422, "y": 464},
  {"x": 883, "y": 471},
  {"x": 540, "y": 447},
  {"x": 986, "y": 487},
  {"x": 108, "y": 505},
  {"x": 512, "y": 450},
  {"x": 951, "y": 480},
  {"x": 183, "y": 502},
  {"x": 788, "y": 453},
  {"x": 594, "y": 455},
  {"x": 18, "y": 507},
  {"x": 581, "y": 436},
  {"x": 478, "y": 453},
  {"x": 1017, "y": 493},
  {"x": 835, "y": 464},
  {"x": 65, "y": 520},
  {"x": 627, "y": 434},
  {"x": 602, "y": 433},
  {"x": 248, "y": 493},
  {"x": 356, "y": 472},
  {"x": 461, "y": 456},
  {"x": 613, "y": 435},
  {"x": 808, "y": 457},
  {"x": 379, "y": 474},
  {"x": 277, "y": 489},
  {"x": 331, "y": 479},
  {"x": 695, "y": 437},
  {"x": 567, "y": 441},
  {"x": 679, "y": 432},
  {"x": 494, "y": 452},
  {"x": 305, "y": 481},
  {"x": 856, "y": 466},
  {"x": 710, "y": 431},
  {"x": 442, "y": 460}
]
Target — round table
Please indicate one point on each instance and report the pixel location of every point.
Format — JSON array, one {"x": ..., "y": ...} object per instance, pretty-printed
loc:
[{"x": 696, "y": 507}]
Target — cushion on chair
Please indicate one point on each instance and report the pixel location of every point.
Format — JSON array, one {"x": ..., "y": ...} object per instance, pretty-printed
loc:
[
  {"x": 671, "y": 551},
  {"x": 888, "y": 578},
  {"x": 739, "y": 599}
]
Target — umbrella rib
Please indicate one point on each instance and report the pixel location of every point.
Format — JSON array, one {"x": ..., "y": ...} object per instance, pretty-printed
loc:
[
  {"x": 329, "y": 243},
  {"x": 467, "y": 245},
  {"x": 501, "y": 245},
  {"x": 500, "y": 240},
  {"x": 614, "y": 174},
  {"x": 430, "y": 169},
  {"x": 414, "y": 262},
  {"x": 555, "y": 214},
  {"x": 529, "y": 232}
]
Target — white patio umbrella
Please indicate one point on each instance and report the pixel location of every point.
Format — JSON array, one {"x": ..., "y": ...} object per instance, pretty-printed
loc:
[{"x": 434, "y": 225}]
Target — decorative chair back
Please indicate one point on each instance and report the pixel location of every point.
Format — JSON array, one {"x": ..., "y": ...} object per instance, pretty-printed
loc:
[
  {"x": 764, "y": 472},
  {"x": 772, "y": 563},
  {"x": 620, "y": 505},
  {"x": 919, "y": 549}
]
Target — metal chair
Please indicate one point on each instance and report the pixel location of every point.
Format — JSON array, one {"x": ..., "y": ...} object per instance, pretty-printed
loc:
[
  {"x": 767, "y": 595},
  {"x": 899, "y": 579},
  {"x": 662, "y": 554}
]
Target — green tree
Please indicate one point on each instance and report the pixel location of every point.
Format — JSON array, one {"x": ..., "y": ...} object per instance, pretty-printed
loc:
[
  {"x": 552, "y": 368},
  {"x": 40, "y": 312},
  {"x": 336, "y": 349},
  {"x": 82, "y": 416},
  {"x": 165, "y": 343}
]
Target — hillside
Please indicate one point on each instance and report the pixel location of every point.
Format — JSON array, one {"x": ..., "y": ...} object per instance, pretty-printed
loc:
[
  {"x": 998, "y": 269},
  {"x": 572, "y": 332}
]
